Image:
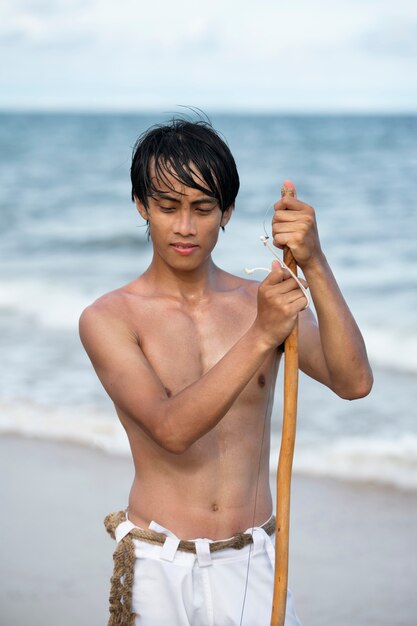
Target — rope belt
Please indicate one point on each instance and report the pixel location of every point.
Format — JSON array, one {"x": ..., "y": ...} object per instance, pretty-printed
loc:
[{"x": 124, "y": 561}]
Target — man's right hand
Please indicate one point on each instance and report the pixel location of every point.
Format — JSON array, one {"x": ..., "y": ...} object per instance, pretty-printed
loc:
[{"x": 280, "y": 299}]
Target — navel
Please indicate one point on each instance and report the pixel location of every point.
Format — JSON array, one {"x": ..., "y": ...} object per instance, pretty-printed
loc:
[
  {"x": 214, "y": 507},
  {"x": 168, "y": 392},
  {"x": 261, "y": 380}
]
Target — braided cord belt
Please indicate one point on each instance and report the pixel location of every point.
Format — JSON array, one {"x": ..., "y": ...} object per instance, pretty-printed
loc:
[{"x": 124, "y": 561}]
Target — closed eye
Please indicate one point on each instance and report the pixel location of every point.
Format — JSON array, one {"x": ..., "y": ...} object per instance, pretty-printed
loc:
[{"x": 204, "y": 210}]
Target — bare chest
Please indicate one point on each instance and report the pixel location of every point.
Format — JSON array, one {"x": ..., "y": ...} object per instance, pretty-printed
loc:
[{"x": 183, "y": 343}]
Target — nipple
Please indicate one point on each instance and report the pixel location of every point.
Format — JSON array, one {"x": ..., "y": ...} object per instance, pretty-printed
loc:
[{"x": 261, "y": 380}]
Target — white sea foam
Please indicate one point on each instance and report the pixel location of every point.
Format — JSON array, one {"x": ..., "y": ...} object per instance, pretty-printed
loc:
[
  {"x": 48, "y": 303},
  {"x": 57, "y": 305},
  {"x": 391, "y": 461},
  {"x": 392, "y": 348},
  {"x": 86, "y": 427}
]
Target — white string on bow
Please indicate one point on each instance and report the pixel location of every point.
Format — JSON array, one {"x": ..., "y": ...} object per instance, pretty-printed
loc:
[{"x": 264, "y": 240}]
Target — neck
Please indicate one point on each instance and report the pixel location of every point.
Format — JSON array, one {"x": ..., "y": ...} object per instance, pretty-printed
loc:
[{"x": 189, "y": 285}]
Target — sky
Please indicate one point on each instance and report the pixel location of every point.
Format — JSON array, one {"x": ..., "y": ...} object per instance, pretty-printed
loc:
[{"x": 220, "y": 55}]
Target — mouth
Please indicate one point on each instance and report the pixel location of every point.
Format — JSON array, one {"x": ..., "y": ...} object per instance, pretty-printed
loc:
[{"x": 184, "y": 248}]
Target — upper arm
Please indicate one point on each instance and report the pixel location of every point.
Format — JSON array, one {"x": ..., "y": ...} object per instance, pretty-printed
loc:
[{"x": 122, "y": 368}]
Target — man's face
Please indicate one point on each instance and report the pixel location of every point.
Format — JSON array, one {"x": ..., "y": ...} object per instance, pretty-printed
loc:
[{"x": 184, "y": 223}]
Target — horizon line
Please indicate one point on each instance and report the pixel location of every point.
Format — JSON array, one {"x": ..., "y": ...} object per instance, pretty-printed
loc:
[{"x": 235, "y": 111}]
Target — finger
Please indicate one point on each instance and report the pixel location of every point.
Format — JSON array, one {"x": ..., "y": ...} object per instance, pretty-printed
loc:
[
  {"x": 303, "y": 282},
  {"x": 276, "y": 275},
  {"x": 293, "y": 240},
  {"x": 288, "y": 188},
  {"x": 292, "y": 302},
  {"x": 297, "y": 232},
  {"x": 283, "y": 215},
  {"x": 299, "y": 304},
  {"x": 288, "y": 202},
  {"x": 275, "y": 265},
  {"x": 287, "y": 286},
  {"x": 296, "y": 300}
]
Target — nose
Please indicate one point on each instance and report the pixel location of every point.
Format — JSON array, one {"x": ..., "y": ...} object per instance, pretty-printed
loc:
[{"x": 184, "y": 224}]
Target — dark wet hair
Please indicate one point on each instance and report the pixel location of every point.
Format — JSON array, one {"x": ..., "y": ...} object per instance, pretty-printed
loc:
[{"x": 193, "y": 153}]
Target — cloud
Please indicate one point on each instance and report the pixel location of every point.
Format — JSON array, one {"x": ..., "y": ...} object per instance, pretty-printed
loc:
[
  {"x": 40, "y": 24},
  {"x": 44, "y": 8},
  {"x": 195, "y": 36},
  {"x": 397, "y": 38},
  {"x": 270, "y": 55}
]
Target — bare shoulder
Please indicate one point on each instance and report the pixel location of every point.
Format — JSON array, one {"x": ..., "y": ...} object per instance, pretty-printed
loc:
[
  {"x": 242, "y": 287},
  {"x": 111, "y": 310}
]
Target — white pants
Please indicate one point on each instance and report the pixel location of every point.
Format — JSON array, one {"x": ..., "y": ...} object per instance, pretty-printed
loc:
[{"x": 205, "y": 589}]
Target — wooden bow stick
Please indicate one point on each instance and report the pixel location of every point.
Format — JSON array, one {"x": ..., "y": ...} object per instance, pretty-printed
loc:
[{"x": 285, "y": 459}]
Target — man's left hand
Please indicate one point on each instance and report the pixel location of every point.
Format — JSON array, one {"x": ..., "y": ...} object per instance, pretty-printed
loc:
[{"x": 294, "y": 225}]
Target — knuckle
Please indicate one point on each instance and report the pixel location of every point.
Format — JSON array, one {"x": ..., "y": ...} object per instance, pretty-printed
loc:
[
  {"x": 269, "y": 295},
  {"x": 265, "y": 291}
]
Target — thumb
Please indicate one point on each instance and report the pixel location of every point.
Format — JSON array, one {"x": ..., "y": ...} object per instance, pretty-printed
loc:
[
  {"x": 288, "y": 189},
  {"x": 276, "y": 275}
]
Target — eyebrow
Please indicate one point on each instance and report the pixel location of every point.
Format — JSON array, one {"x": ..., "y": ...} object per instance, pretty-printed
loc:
[{"x": 202, "y": 200}]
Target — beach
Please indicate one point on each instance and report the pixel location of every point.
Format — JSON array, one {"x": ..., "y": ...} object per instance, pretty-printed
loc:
[
  {"x": 352, "y": 551},
  {"x": 71, "y": 233}
]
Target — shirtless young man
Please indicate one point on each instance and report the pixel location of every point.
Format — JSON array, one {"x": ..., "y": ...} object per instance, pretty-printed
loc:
[{"x": 189, "y": 354}]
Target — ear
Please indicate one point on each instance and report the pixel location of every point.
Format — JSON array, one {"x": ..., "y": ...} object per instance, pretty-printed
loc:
[
  {"x": 226, "y": 215},
  {"x": 143, "y": 212}
]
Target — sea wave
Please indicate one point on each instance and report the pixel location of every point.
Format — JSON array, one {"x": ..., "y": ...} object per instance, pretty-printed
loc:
[
  {"x": 57, "y": 305},
  {"x": 393, "y": 347},
  {"x": 87, "y": 426},
  {"x": 47, "y": 302},
  {"x": 127, "y": 243},
  {"x": 376, "y": 459}
]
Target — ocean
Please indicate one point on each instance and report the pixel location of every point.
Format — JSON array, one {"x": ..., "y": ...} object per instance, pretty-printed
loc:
[{"x": 69, "y": 233}]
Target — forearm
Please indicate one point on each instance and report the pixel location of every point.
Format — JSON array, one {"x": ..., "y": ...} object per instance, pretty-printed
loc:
[
  {"x": 194, "y": 411},
  {"x": 341, "y": 341}
]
